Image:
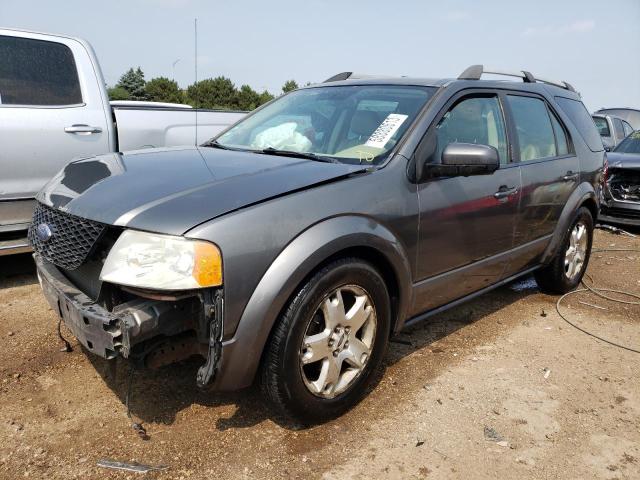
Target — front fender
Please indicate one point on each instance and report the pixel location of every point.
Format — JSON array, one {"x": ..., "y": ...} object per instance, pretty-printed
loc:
[
  {"x": 583, "y": 193},
  {"x": 241, "y": 354}
]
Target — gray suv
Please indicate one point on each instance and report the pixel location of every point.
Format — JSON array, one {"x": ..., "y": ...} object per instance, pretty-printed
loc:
[{"x": 294, "y": 244}]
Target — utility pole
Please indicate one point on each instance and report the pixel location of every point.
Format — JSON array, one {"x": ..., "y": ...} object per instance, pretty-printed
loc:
[{"x": 173, "y": 69}]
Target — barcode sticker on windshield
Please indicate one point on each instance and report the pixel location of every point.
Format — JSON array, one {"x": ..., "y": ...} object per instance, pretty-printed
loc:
[{"x": 385, "y": 131}]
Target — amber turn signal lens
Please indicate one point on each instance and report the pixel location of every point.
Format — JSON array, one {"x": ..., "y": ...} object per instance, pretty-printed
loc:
[{"x": 207, "y": 265}]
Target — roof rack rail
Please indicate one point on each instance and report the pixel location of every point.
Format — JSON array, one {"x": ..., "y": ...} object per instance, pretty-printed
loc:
[
  {"x": 474, "y": 72},
  {"x": 348, "y": 76},
  {"x": 339, "y": 77}
]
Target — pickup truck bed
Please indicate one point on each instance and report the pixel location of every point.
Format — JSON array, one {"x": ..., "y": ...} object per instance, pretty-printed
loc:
[{"x": 139, "y": 126}]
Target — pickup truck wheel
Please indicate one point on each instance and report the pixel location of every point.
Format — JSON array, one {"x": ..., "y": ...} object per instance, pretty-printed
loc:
[
  {"x": 565, "y": 271},
  {"x": 327, "y": 348}
]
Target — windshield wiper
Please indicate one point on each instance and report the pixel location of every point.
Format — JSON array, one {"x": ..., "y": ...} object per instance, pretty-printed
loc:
[
  {"x": 291, "y": 153},
  {"x": 216, "y": 144}
]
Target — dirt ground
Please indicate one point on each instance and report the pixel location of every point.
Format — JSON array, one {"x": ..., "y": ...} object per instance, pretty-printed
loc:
[{"x": 500, "y": 387}]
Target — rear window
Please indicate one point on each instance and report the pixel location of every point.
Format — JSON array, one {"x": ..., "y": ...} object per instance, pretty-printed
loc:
[
  {"x": 37, "y": 72},
  {"x": 578, "y": 114},
  {"x": 602, "y": 126}
]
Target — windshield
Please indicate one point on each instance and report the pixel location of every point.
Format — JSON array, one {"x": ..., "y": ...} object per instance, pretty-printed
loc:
[
  {"x": 602, "y": 125},
  {"x": 631, "y": 144},
  {"x": 351, "y": 124}
]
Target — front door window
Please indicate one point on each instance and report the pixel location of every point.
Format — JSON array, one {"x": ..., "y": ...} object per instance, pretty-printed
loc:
[{"x": 473, "y": 120}]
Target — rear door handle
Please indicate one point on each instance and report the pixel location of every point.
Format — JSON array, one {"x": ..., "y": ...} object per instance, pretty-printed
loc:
[
  {"x": 504, "y": 192},
  {"x": 570, "y": 176},
  {"x": 82, "y": 129}
]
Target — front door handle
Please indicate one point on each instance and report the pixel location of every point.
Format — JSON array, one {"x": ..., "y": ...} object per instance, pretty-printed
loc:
[
  {"x": 82, "y": 129},
  {"x": 570, "y": 176},
  {"x": 504, "y": 192}
]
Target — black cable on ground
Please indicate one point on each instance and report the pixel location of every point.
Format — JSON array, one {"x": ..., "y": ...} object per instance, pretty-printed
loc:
[
  {"x": 610, "y": 342},
  {"x": 137, "y": 427},
  {"x": 67, "y": 345},
  {"x": 598, "y": 292}
]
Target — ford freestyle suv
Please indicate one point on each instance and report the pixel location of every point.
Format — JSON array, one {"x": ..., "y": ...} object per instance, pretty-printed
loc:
[{"x": 290, "y": 248}]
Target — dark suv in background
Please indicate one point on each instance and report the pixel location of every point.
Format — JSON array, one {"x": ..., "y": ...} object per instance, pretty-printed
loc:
[
  {"x": 621, "y": 193},
  {"x": 292, "y": 246}
]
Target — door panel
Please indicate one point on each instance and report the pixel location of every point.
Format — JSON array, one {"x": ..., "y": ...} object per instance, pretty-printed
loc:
[
  {"x": 546, "y": 188},
  {"x": 461, "y": 223},
  {"x": 37, "y": 145}
]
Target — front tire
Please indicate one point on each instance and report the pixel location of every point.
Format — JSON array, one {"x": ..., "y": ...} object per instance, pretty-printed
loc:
[
  {"x": 327, "y": 348},
  {"x": 567, "y": 268}
]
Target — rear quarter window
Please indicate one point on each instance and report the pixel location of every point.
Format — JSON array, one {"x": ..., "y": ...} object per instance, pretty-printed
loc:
[
  {"x": 580, "y": 117},
  {"x": 37, "y": 73}
]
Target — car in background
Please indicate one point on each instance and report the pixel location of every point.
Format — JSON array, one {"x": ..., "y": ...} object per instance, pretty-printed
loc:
[
  {"x": 621, "y": 192},
  {"x": 630, "y": 115},
  {"x": 612, "y": 129},
  {"x": 54, "y": 108}
]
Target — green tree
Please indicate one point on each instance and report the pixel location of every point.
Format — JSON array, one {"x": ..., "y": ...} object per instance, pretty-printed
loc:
[
  {"x": 133, "y": 82},
  {"x": 248, "y": 98},
  {"x": 219, "y": 92},
  {"x": 161, "y": 89},
  {"x": 118, "y": 93},
  {"x": 265, "y": 97},
  {"x": 289, "y": 85}
]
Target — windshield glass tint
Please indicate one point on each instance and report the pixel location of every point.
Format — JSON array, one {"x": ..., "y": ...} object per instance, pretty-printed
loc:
[
  {"x": 603, "y": 126},
  {"x": 631, "y": 144},
  {"x": 354, "y": 124}
]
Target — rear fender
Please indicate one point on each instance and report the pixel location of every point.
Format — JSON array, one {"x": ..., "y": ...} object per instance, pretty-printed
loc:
[
  {"x": 241, "y": 354},
  {"x": 584, "y": 193}
]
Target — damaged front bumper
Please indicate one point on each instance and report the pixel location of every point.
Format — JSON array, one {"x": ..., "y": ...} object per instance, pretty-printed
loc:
[
  {"x": 146, "y": 331},
  {"x": 621, "y": 203}
]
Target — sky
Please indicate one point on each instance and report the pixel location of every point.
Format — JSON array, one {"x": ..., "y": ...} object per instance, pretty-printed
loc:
[{"x": 592, "y": 44}]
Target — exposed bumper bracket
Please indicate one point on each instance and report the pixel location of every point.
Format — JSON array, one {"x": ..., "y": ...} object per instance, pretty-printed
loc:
[{"x": 213, "y": 317}]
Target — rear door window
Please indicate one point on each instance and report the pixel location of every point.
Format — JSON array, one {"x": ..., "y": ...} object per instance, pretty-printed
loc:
[
  {"x": 627, "y": 128},
  {"x": 37, "y": 73},
  {"x": 535, "y": 134},
  {"x": 473, "y": 120},
  {"x": 580, "y": 117}
]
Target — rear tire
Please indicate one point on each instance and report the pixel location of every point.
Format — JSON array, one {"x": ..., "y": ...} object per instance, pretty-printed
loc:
[
  {"x": 567, "y": 268},
  {"x": 326, "y": 351}
]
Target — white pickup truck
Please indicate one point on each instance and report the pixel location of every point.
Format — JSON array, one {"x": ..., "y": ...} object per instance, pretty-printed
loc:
[{"x": 54, "y": 108}]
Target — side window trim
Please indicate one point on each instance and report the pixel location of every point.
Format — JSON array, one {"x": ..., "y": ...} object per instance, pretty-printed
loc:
[
  {"x": 454, "y": 100},
  {"x": 550, "y": 111},
  {"x": 554, "y": 116}
]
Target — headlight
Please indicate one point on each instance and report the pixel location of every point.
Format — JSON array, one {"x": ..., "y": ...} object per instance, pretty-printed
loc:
[{"x": 162, "y": 262}]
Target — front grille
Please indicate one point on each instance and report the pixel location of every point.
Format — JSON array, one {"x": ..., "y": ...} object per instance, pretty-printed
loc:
[{"x": 71, "y": 239}]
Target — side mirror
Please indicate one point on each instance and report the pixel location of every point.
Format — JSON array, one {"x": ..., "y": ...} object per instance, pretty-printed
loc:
[{"x": 466, "y": 159}]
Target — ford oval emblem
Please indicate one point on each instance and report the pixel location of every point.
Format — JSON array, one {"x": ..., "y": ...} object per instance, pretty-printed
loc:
[{"x": 44, "y": 232}]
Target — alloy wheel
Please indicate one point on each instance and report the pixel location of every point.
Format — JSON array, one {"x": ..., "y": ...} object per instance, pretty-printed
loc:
[
  {"x": 338, "y": 341},
  {"x": 576, "y": 251}
]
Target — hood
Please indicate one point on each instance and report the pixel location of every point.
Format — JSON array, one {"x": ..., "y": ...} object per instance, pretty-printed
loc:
[
  {"x": 173, "y": 190},
  {"x": 623, "y": 160}
]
